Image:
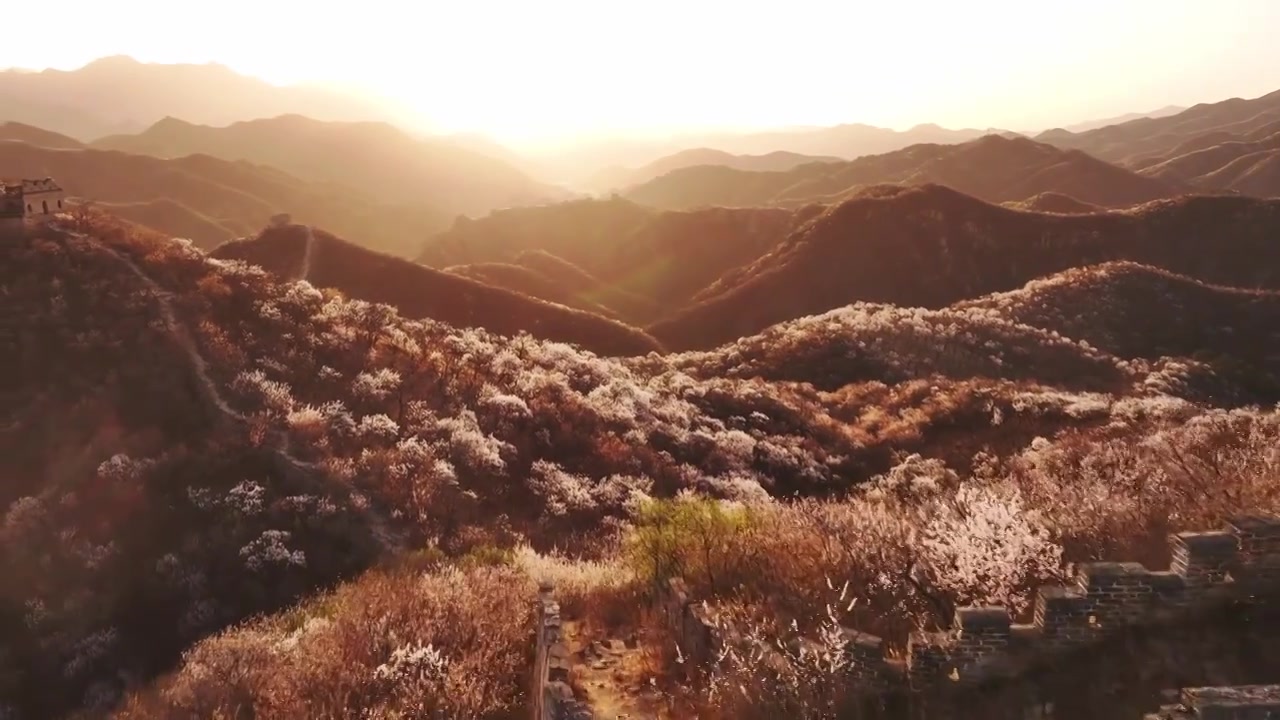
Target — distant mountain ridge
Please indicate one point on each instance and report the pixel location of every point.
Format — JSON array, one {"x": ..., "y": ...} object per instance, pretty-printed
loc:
[
  {"x": 121, "y": 95},
  {"x": 778, "y": 160},
  {"x": 210, "y": 200},
  {"x": 1129, "y": 142},
  {"x": 995, "y": 168},
  {"x": 420, "y": 292},
  {"x": 929, "y": 246},
  {"x": 375, "y": 157},
  {"x": 581, "y": 164}
]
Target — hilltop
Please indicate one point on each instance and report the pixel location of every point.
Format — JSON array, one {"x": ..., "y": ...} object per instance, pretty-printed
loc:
[
  {"x": 372, "y": 158},
  {"x": 1109, "y": 306},
  {"x": 995, "y": 168},
  {"x": 212, "y": 200},
  {"x": 421, "y": 292},
  {"x": 930, "y": 246},
  {"x": 778, "y": 160}
]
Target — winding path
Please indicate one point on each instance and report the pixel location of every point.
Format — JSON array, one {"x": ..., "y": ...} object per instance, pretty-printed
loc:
[
  {"x": 304, "y": 271},
  {"x": 208, "y": 389}
]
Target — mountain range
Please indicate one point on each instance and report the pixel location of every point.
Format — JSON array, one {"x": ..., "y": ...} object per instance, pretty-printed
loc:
[
  {"x": 367, "y": 459},
  {"x": 121, "y": 95}
]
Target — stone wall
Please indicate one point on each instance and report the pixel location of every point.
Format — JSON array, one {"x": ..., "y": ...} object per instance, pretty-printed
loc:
[
  {"x": 553, "y": 698},
  {"x": 1243, "y": 702},
  {"x": 1240, "y": 563}
]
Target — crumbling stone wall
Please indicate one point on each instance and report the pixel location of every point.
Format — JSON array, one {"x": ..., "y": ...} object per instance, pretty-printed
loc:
[
  {"x": 553, "y": 698},
  {"x": 1240, "y": 563},
  {"x": 1242, "y": 702}
]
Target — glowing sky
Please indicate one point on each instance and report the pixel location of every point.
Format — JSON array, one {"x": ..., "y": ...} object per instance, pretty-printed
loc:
[{"x": 528, "y": 70}]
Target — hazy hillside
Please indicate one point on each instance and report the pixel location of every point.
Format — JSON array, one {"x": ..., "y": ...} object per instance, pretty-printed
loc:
[
  {"x": 779, "y": 160},
  {"x": 930, "y": 246},
  {"x": 582, "y": 164},
  {"x": 179, "y": 220},
  {"x": 36, "y": 136},
  {"x": 660, "y": 258},
  {"x": 846, "y": 141},
  {"x": 121, "y": 95},
  {"x": 1095, "y": 124},
  {"x": 528, "y": 281},
  {"x": 374, "y": 158},
  {"x": 1246, "y": 167},
  {"x": 197, "y": 195},
  {"x": 994, "y": 168},
  {"x": 1130, "y": 142},
  {"x": 581, "y": 231},
  {"x": 421, "y": 292}
]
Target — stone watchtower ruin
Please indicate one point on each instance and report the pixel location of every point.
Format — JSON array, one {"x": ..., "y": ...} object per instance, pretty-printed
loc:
[{"x": 28, "y": 199}]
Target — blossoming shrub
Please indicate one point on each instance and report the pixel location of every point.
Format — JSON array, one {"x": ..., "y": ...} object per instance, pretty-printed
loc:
[{"x": 452, "y": 643}]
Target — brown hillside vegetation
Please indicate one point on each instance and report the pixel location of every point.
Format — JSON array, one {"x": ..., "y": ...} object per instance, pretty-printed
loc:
[
  {"x": 661, "y": 258},
  {"x": 1110, "y": 306},
  {"x": 1191, "y": 166},
  {"x": 931, "y": 246},
  {"x": 373, "y": 158},
  {"x": 232, "y": 194},
  {"x": 421, "y": 292},
  {"x": 582, "y": 231},
  {"x": 1130, "y": 142},
  {"x": 1051, "y": 202},
  {"x": 174, "y": 218},
  {"x": 883, "y": 343},
  {"x": 1256, "y": 174},
  {"x": 589, "y": 288},
  {"x": 528, "y": 281},
  {"x": 995, "y": 168},
  {"x": 190, "y": 442}
]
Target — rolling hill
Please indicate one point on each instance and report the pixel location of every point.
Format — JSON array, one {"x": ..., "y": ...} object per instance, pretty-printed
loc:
[
  {"x": 373, "y": 158},
  {"x": 779, "y": 160},
  {"x": 660, "y": 259},
  {"x": 39, "y": 137},
  {"x": 581, "y": 165},
  {"x": 994, "y": 168},
  {"x": 1109, "y": 306},
  {"x": 212, "y": 200},
  {"x": 1132, "y": 142},
  {"x": 419, "y": 292},
  {"x": 1243, "y": 166},
  {"x": 929, "y": 246}
]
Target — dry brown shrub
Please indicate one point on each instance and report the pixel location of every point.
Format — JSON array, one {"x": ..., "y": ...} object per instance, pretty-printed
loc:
[{"x": 453, "y": 643}]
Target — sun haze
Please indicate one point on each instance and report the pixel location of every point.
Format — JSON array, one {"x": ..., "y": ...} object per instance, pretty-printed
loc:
[{"x": 536, "y": 72}]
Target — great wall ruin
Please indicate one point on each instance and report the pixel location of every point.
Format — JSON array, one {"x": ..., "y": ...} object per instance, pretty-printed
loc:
[
  {"x": 1237, "y": 564},
  {"x": 553, "y": 698}
]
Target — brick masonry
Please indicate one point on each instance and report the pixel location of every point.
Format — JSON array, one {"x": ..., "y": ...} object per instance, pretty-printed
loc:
[
  {"x": 1242, "y": 702},
  {"x": 1240, "y": 563},
  {"x": 553, "y": 697}
]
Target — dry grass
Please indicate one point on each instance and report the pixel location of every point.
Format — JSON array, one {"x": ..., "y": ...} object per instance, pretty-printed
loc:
[{"x": 450, "y": 643}]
